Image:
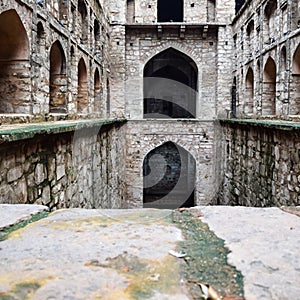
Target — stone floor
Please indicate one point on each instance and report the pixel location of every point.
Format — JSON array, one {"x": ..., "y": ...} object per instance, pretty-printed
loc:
[{"x": 119, "y": 254}]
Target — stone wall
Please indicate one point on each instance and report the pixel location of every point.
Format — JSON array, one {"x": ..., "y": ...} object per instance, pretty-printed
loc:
[
  {"x": 195, "y": 137},
  {"x": 53, "y": 54},
  {"x": 266, "y": 56},
  {"x": 143, "y": 43},
  {"x": 84, "y": 168},
  {"x": 260, "y": 163}
]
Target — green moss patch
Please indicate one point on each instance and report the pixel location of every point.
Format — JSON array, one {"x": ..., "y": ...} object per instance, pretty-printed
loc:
[
  {"x": 206, "y": 259},
  {"x": 4, "y": 234}
]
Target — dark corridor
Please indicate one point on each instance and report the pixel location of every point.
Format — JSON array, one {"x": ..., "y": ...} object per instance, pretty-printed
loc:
[
  {"x": 170, "y": 86},
  {"x": 169, "y": 177}
]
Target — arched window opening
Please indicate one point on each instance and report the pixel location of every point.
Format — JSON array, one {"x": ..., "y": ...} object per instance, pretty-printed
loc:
[
  {"x": 97, "y": 91},
  {"x": 170, "y": 86},
  {"x": 63, "y": 11},
  {"x": 97, "y": 35},
  {"x": 295, "y": 86},
  {"x": 40, "y": 32},
  {"x": 269, "y": 88},
  {"x": 211, "y": 10},
  {"x": 41, "y": 38},
  {"x": 170, "y": 10},
  {"x": 270, "y": 26},
  {"x": 130, "y": 17},
  {"x": 58, "y": 79},
  {"x": 283, "y": 58},
  {"x": 169, "y": 177},
  {"x": 249, "y": 91},
  {"x": 15, "y": 81},
  {"x": 295, "y": 14},
  {"x": 250, "y": 37},
  {"x": 83, "y": 21},
  {"x": 82, "y": 89},
  {"x": 107, "y": 98},
  {"x": 233, "y": 98}
]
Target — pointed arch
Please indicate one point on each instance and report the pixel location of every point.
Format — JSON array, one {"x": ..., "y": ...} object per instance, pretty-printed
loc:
[
  {"x": 83, "y": 21},
  {"x": 270, "y": 25},
  {"x": 15, "y": 81},
  {"x": 170, "y": 85},
  {"x": 170, "y": 11},
  {"x": 168, "y": 177},
  {"x": 295, "y": 86},
  {"x": 82, "y": 87},
  {"x": 269, "y": 88},
  {"x": 249, "y": 90},
  {"x": 283, "y": 58},
  {"x": 58, "y": 79},
  {"x": 97, "y": 91}
]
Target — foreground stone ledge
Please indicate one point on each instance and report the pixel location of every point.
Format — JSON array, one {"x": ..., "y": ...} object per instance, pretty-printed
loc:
[
  {"x": 274, "y": 124},
  {"x": 13, "y": 214},
  {"x": 16, "y": 132}
]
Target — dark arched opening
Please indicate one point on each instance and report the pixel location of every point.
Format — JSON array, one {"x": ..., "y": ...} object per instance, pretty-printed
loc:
[
  {"x": 249, "y": 91},
  {"x": 169, "y": 177},
  {"x": 15, "y": 81},
  {"x": 82, "y": 93},
  {"x": 58, "y": 80},
  {"x": 170, "y": 86},
  {"x": 97, "y": 91},
  {"x": 170, "y": 10},
  {"x": 269, "y": 88}
]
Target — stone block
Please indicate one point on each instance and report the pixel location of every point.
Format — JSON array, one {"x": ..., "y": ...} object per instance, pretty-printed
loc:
[
  {"x": 60, "y": 171},
  {"x": 14, "y": 174},
  {"x": 39, "y": 174}
]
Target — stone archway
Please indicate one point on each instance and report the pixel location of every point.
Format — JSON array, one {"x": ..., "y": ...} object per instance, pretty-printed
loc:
[
  {"x": 249, "y": 91},
  {"x": 269, "y": 88},
  {"x": 170, "y": 86},
  {"x": 295, "y": 85},
  {"x": 15, "y": 82},
  {"x": 169, "y": 177},
  {"x": 82, "y": 89},
  {"x": 58, "y": 79}
]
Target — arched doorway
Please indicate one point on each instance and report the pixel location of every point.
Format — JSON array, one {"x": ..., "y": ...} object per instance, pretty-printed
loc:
[
  {"x": 97, "y": 91},
  {"x": 170, "y": 11},
  {"x": 58, "y": 79},
  {"x": 82, "y": 93},
  {"x": 249, "y": 91},
  {"x": 170, "y": 86},
  {"x": 15, "y": 80},
  {"x": 269, "y": 88},
  {"x": 168, "y": 177},
  {"x": 295, "y": 86}
]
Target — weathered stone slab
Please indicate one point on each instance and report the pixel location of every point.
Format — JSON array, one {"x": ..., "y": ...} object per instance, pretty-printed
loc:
[
  {"x": 14, "y": 214},
  {"x": 265, "y": 247}
]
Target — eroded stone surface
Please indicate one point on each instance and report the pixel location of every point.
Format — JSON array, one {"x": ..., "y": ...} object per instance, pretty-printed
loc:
[
  {"x": 93, "y": 254},
  {"x": 13, "y": 214},
  {"x": 265, "y": 247}
]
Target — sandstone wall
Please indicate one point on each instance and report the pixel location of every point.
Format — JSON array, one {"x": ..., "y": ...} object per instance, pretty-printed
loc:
[
  {"x": 260, "y": 164},
  {"x": 84, "y": 168},
  {"x": 82, "y": 31},
  {"x": 266, "y": 56}
]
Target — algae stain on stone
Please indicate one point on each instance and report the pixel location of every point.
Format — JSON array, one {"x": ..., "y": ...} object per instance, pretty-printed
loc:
[
  {"x": 16, "y": 230},
  {"x": 23, "y": 290},
  {"x": 145, "y": 278}
]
